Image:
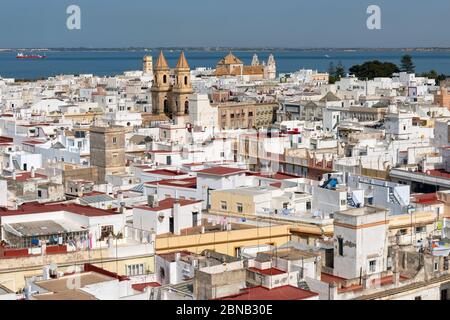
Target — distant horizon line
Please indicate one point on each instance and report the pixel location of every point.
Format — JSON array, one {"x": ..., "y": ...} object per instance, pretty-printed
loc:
[{"x": 223, "y": 48}]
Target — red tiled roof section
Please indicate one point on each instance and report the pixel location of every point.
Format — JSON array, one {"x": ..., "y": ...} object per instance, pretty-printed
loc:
[
  {"x": 141, "y": 286},
  {"x": 276, "y": 176},
  {"x": 24, "y": 176},
  {"x": 34, "y": 207},
  {"x": 438, "y": 173},
  {"x": 91, "y": 268},
  {"x": 329, "y": 278},
  {"x": 426, "y": 198},
  {"x": 267, "y": 272},
  {"x": 33, "y": 142},
  {"x": 166, "y": 172},
  {"x": 279, "y": 293},
  {"x": 170, "y": 256},
  {"x": 168, "y": 203},
  {"x": 181, "y": 183},
  {"x": 4, "y": 139},
  {"x": 221, "y": 171}
]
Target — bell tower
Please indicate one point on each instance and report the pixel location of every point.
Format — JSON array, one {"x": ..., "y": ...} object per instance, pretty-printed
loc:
[
  {"x": 182, "y": 87},
  {"x": 161, "y": 86},
  {"x": 147, "y": 65}
]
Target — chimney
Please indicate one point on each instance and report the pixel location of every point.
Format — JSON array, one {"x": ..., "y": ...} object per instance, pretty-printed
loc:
[
  {"x": 33, "y": 172},
  {"x": 177, "y": 256},
  {"x": 14, "y": 175},
  {"x": 202, "y": 229},
  {"x": 120, "y": 196},
  {"x": 152, "y": 200},
  {"x": 176, "y": 218}
]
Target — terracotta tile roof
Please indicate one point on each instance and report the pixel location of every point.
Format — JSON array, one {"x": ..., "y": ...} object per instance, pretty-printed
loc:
[
  {"x": 166, "y": 172},
  {"x": 4, "y": 139},
  {"x": 438, "y": 173},
  {"x": 180, "y": 183},
  {"x": 426, "y": 198},
  {"x": 221, "y": 171},
  {"x": 279, "y": 293},
  {"x": 267, "y": 272},
  {"x": 170, "y": 256},
  {"x": 141, "y": 286},
  {"x": 25, "y": 176},
  {"x": 276, "y": 176},
  {"x": 329, "y": 278},
  {"x": 230, "y": 59},
  {"x": 33, "y": 142}
]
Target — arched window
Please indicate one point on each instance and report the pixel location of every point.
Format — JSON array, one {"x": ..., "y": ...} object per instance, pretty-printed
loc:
[
  {"x": 185, "y": 80},
  {"x": 164, "y": 78},
  {"x": 166, "y": 106},
  {"x": 186, "y": 107}
]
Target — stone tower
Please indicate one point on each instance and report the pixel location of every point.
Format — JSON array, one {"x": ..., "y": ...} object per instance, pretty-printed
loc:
[
  {"x": 182, "y": 87},
  {"x": 255, "y": 60},
  {"x": 107, "y": 148},
  {"x": 270, "y": 71},
  {"x": 161, "y": 86},
  {"x": 147, "y": 65}
]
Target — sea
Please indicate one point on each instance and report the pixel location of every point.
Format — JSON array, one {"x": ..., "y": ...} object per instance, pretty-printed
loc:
[{"x": 110, "y": 63}]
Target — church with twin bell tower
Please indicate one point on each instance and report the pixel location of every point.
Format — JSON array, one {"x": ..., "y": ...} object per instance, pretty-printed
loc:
[{"x": 171, "y": 87}]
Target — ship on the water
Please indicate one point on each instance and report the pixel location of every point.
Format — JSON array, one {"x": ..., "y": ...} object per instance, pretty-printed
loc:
[{"x": 20, "y": 55}]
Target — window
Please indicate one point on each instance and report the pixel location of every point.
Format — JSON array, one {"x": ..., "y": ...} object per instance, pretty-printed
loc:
[
  {"x": 240, "y": 207},
  {"x": 223, "y": 205},
  {"x": 436, "y": 266},
  {"x": 39, "y": 193},
  {"x": 185, "y": 80},
  {"x": 164, "y": 79},
  {"x": 237, "y": 251},
  {"x": 106, "y": 231},
  {"x": 162, "y": 273},
  {"x": 308, "y": 205},
  {"x": 372, "y": 265},
  {"x": 341, "y": 246},
  {"x": 343, "y": 202},
  {"x": 135, "y": 269},
  {"x": 114, "y": 139},
  {"x": 194, "y": 218},
  {"x": 420, "y": 229}
]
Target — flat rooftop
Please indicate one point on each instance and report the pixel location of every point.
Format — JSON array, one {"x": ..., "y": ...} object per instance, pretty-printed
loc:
[
  {"x": 42, "y": 228},
  {"x": 287, "y": 254},
  {"x": 358, "y": 212},
  {"x": 209, "y": 227},
  {"x": 82, "y": 279}
]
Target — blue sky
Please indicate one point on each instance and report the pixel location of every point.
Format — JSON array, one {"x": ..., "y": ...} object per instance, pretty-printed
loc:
[{"x": 249, "y": 23}]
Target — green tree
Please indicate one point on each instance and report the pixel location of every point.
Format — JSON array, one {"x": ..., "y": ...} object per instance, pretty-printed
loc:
[
  {"x": 432, "y": 74},
  {"x": 406, "y": 64},
  {"x": 340, "y": 70},
  {"x": 331, "y": 72},
  {"x": 373, "y": 69}
]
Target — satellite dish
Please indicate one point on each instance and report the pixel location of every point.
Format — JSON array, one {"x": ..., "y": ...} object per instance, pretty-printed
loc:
[{"x": 53, "y": 266}]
